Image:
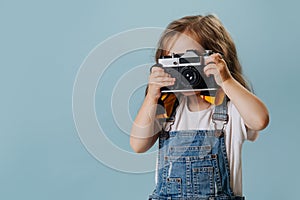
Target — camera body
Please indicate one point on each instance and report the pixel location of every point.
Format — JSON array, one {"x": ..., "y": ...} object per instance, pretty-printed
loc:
[{"x": 187, "y": 69}]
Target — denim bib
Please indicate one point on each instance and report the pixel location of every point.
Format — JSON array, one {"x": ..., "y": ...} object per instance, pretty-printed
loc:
[{"x": 193, "y": 164}]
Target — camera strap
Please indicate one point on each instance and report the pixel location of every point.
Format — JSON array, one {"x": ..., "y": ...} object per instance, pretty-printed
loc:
[
  {"x": 170, "y": 119},
  {"x": 220, "y": 117}
]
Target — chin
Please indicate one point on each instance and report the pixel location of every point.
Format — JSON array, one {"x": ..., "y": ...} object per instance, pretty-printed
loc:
[{"x": 190, "y": 93}]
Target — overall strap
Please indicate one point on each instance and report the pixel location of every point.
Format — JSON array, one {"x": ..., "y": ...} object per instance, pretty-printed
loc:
[
  {"x": 220, "y": 117},
  {"x": 171, "y": 119}
]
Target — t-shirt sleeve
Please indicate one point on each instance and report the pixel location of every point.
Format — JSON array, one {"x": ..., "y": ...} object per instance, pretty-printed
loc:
[{"x": 238, "y": 123}]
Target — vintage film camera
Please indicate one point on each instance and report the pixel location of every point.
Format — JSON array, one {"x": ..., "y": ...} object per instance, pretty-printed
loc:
[{"x": 187, "y": 68}]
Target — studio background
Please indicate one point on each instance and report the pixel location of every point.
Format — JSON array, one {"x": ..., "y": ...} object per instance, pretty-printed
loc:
[{"x": 42, "y": 46}]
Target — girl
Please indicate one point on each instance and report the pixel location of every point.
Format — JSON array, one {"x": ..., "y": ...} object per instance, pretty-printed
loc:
[{"x": 200, "y": 145}]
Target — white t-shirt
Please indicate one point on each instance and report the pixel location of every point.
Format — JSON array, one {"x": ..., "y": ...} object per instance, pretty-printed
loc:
[{"x": 235, "y": 134}]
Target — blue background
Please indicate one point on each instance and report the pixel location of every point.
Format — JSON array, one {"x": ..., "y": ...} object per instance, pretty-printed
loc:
[{"x": 42, "y": 46}]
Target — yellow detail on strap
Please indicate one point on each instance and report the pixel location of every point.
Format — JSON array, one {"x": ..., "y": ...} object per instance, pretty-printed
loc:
[
  {"x": 209, "y": 99},
  {"x": 169, "y": 99}
]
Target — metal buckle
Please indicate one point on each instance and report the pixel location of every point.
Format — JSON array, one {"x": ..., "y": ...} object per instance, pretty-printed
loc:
[
  {"x": 220, "y": 117},
  {"x": 219, "y": 133},
  {"x": 220, "y": 123},
  {"x": 164, "y": 134}
]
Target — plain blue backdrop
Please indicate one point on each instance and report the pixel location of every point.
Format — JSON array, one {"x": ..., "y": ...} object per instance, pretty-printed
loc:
[{"x": 42, "y": 46}]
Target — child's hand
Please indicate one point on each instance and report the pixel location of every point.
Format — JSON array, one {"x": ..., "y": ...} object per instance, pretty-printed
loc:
[
  {"x": 158, "y": 79},
  {"x": 216, "y": 65}
]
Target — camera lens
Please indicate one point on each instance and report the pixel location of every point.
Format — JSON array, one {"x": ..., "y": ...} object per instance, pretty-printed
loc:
[{"x": 191, "y": 76}]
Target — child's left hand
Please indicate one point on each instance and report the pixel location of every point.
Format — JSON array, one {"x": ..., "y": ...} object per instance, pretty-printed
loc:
[{"x": 216, "y": 65}]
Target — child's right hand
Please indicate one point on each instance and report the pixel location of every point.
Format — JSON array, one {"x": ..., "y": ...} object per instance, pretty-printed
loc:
[{"x": 158, "y": 78}]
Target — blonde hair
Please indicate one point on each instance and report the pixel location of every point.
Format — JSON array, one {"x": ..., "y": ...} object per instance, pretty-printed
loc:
[{"x": 210, "y": 33}]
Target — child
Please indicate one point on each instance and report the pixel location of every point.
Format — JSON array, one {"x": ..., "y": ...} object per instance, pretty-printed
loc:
[{"x": 200, "y": 147}]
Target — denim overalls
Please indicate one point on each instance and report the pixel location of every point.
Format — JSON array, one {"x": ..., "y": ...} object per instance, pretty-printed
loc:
[{"x": 193, "y": 164}]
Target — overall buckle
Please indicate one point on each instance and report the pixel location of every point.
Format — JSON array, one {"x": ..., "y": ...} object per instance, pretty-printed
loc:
[{"x": 220, "y": 120}]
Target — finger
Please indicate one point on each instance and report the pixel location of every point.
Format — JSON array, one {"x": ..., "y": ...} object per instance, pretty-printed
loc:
[
  {"x": 160, "y": 77},
  {"x": 217, "y": 56},
  {"x": 209, "y": 59},
  {"x": 157, "y": 74},
  {"x": 160, "y": 74},
  {"x": 156, "y": 69},
  {"x": 210, "y": 69},
  {"x": 211, "y": 72},
  {"x": 164, "y": 79},
  {"x": 163, "y": 83},
  {"x": 168, "y": 83},
  {"x": 214, "y": 58}
]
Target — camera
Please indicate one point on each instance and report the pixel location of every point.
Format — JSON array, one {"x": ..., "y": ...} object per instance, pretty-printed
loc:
[{"x": 187, "y": 69}]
